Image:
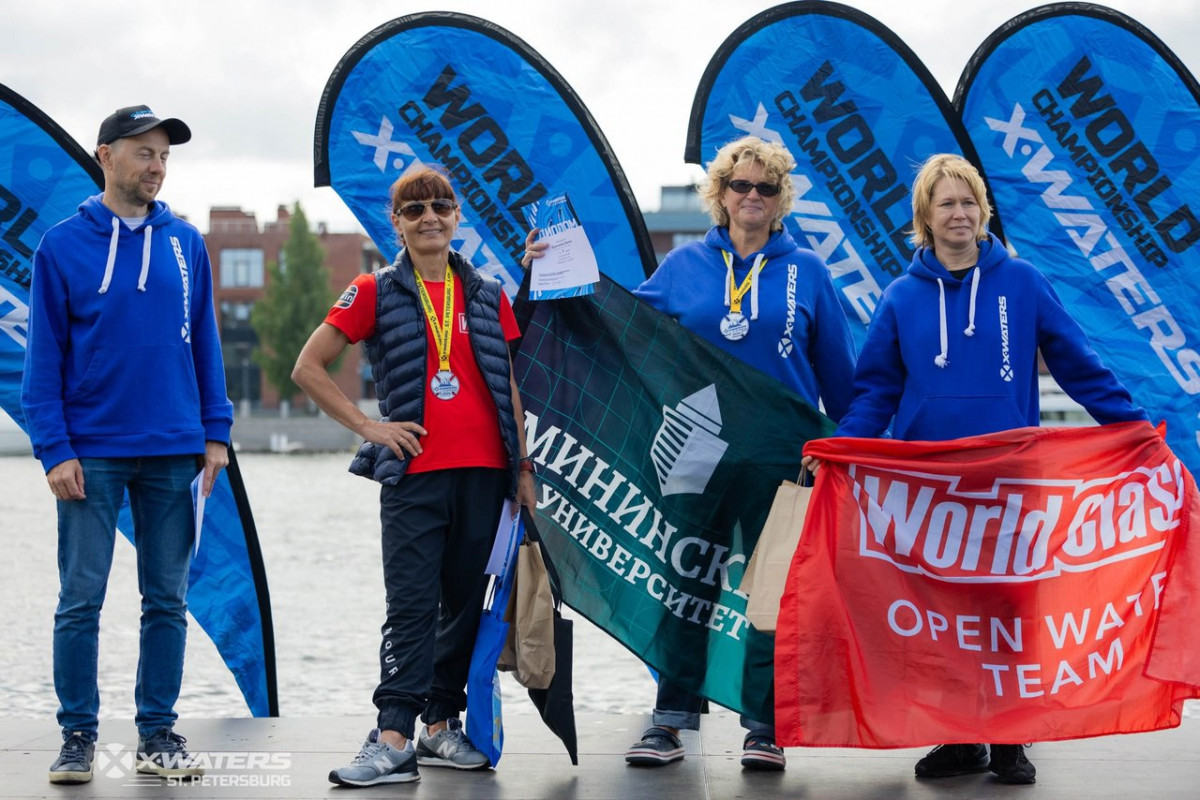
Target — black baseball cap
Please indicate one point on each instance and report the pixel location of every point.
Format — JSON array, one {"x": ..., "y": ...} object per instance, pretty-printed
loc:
[{"x": 134, "y": 120}]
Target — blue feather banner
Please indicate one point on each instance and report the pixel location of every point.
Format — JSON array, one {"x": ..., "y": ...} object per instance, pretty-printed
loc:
[
  {"x": 460, "y": 92},
  {"x": 1087, "y": 126}
]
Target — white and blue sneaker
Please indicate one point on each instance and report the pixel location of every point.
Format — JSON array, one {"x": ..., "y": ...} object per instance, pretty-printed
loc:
[
  {"x": 449, "y": 748},
  {"x": 378, "y": 762}
]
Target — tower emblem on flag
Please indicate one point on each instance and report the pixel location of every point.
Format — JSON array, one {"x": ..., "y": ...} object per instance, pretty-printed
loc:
[{"x": 687, "y": 447}]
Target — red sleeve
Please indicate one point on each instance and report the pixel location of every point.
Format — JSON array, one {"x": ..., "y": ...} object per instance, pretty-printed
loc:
[
  {"x": 508, "y": 320},
  {"x": 354, "y": 312}
]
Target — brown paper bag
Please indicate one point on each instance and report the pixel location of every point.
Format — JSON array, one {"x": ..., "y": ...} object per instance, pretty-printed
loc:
[
  {"x": 529, "y": 650},
  {"x": 767, "y": 571}
]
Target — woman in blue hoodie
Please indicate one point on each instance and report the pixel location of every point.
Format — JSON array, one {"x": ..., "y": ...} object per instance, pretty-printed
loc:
[
  {"x": 952, "y": 351},
  {"x": 750, "y": 289}
]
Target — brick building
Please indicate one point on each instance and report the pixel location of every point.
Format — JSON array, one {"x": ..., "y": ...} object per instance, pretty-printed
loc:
[{"x": 240, "y": 252}]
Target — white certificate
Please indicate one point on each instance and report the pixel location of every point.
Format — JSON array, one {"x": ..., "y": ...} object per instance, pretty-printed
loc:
[{"x": 568, "y": 266}]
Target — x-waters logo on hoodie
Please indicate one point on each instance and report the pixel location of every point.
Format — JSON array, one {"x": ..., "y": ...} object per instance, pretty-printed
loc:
[
  {"x": 687, "y": 447},
  {"x": 786, "y": 343},
  {"x": 186, "y": 330},
  {"x": 1005, "y": 367}
]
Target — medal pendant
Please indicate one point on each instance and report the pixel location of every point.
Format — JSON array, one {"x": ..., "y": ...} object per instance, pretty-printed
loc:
[
  {"x": 734, "y": 326},
  {"x": 444, "y": 385}
]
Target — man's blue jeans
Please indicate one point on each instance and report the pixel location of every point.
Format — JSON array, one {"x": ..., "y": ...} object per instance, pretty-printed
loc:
[{"x": 163, "y": 522}]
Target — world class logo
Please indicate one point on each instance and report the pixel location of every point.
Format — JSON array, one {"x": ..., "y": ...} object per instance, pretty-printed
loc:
[{"x": 1015, "y": 529}]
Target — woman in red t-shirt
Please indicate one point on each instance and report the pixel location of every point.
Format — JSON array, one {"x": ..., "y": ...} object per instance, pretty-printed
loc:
[{"x": 442, "y": 492}]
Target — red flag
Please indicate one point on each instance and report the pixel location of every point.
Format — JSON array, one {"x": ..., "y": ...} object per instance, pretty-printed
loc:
[{"x": 1029, "y": 585}]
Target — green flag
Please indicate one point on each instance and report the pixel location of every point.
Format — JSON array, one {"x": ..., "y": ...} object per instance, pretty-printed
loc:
[{"x": 659, "y": 455}]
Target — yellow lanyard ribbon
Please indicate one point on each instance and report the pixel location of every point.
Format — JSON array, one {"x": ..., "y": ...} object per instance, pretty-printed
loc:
[
  {"x": 734, "y": 294},
  {"x": 441, "y": 332}
]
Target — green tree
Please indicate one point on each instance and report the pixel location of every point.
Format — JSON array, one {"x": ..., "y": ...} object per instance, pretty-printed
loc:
[{"x": 295, "y": 301}]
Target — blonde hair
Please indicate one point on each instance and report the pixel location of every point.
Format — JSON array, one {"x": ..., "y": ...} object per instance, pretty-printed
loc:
[
  {"x": 777, "y": 164},
  {"x": 936, "y": 167}
]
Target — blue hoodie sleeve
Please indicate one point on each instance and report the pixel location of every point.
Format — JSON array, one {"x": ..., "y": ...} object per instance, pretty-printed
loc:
[
  {"x": 216, "y": 410},
  {"x": 831, "y": 349},
  {"x": 42, "y": 381},
  {"x": 1077, "y": 367},
  {"x": 656, "y": 290},
  {"x": 878, "y": 378}
]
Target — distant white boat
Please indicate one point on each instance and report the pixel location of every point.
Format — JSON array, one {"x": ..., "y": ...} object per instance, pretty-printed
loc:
[{"x": 13, "y": 441}]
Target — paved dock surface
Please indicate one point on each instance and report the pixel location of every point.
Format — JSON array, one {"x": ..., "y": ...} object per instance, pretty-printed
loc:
[{"x": 291, "y": 758}]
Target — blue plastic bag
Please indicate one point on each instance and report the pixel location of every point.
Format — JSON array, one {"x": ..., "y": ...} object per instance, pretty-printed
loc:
[{"x": 485, "y": 725}]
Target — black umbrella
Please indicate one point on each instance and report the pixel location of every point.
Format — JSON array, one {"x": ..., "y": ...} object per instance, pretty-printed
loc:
[{"x": 556, "y": 703}]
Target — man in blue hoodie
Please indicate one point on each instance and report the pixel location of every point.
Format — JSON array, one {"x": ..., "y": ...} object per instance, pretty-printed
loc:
[{"x": 124, "y": 389}]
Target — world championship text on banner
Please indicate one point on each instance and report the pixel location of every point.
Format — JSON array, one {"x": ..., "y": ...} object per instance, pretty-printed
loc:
[
  {"x": 857, "y": 109},
  {"x": 659, "y": 456},
  {"x": 460, "y": 92},
  {"x": 1086, "y": 124},
  {"x": 44, "y": 176},
  {"x": 1033, "y": 585}
]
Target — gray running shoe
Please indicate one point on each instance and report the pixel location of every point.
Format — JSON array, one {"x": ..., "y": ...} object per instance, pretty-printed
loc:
[
  {"x": 378, "y": 762},
  {"x": 74, "y": 762},
  {"x": 450, "y": 748},
  {"x": 163, "y": 753}
]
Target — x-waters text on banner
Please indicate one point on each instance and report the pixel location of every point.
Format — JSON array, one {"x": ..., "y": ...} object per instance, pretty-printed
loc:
[
  {"x": 1031, "y": 585},
  {"x": 459, "y": 92},
  {"x": 856, "y": 108},
  {"x": 1085, "y": 123}
]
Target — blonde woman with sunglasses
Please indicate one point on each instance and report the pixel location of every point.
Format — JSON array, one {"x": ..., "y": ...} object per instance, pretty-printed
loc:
[{"x": 750, "y": 289}]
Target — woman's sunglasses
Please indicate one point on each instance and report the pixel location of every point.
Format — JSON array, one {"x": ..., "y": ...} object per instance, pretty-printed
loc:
[
  {"x": 443, "y": 208},
  {"x": 764, "y": 189}
]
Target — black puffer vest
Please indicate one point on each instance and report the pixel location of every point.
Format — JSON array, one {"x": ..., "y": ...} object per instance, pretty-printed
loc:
[{"x": 397, "y": 354}]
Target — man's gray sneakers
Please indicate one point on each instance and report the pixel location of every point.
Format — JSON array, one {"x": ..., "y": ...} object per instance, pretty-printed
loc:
[
  {"x": 74, "y": 762},
  {"x": 378, "y": 762},
  {"x": 450, "y": 748}
]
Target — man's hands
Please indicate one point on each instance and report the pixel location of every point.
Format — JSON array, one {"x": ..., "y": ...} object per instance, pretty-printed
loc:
[
  {"x": 66, "y": 480},
  {"x": 216, "y": 458}
]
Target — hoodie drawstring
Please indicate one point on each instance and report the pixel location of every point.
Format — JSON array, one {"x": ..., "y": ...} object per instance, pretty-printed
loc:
[
  {"x": 941, "y": 359},
  {"x": 146, "y": 262},
  {"x": 970, "y": 330},
  {"x": 112, "y": 255},
  {"x": 754, "y": 270}
]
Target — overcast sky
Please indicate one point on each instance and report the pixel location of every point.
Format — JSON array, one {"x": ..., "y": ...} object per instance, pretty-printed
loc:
[{"x": 247, "y": 75}]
